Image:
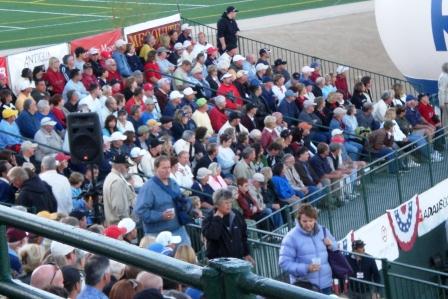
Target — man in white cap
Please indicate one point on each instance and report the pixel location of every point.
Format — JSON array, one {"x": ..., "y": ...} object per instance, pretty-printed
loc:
[
  {"x": 260, "y": 70},
  {"x": 48, "y": 136},
  {"x": 116, "y": 143},
  {"x": 131, "y": 232},
  {"x": 58, "y": 249},
  {"x": 187, "y": 54},
  {"x": 120, "y": 58},
  {"x": 94, "y": 56},
  {"x": 186, "y": 33},
  {"x": 176, "y": 54},
  {"x": 135, "y": 170},
  {"x": 189, "y": 98},
  {"x": 229, "y": 90},
  {"x": 25, "y": 89},
  {"x": 27, "y": 151},
  {"x": 173, "y": 104},
  {"x": 198, "y": 82},
  {"x": 118, "y": 194},
  {"x": 237, "y": 62}
]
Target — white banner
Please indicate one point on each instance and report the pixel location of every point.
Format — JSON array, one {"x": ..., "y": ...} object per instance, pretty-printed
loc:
[
  {"x": 31, "y": 59},
  {"x": 379, "y": 239},
  {"x": 434, "y": 207}
]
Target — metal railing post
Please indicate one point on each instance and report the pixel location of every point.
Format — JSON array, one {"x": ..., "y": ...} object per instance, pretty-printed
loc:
[
  {"x": 385, "y": 270},
  {"x": 5, "y": 274},
  {"x": 397, "y": 175},
  {"x": 289, "y": 217},
  {"x": 230, "y": 270},
  {"x": 212, "y": 283},
  {"x": 431, "y": 174},
  {"x": 364, "y": 198}
]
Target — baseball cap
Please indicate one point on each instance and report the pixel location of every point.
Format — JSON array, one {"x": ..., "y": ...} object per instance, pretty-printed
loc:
[
  {"x": 178, "y": 46},
  {"x": 305, "y": 126},
  {"x": 185, "y": 26},
  {"x": 163, "y": 49},
  {"x": 153, "y": 123},
  {"x": 155, "y": 142},
  {"x": 342, "y": 68},
  {"x": 62, "y": 157},
  {"x": 189, "y": 91},
  {"x": 148, "y": 86},
  {"x": 279, "y": 62},
  {"x": 114, "y": 231},
  {"x": 58, "y": 248},
  {"x": 358, "y": 244},
  {"x": 261, "y": 67},
  {"x": 241, "y": 73},
  {"x": 24, "y": 84},
  {"x": 267, "y": 79},
  {"x": 226, "y": 75},
  {"x": 166, "y": 119},
  {"x": 410, "y": 97},
  {"x": 175, "y": 95},
  {"x": 116, "y": 136},
  {"x": 120, "y": 43},
  {"x": 8, "y": 112},
  {"x": 120, "y": 159},
  {"x": 46, "y": 121},
  {"x": 238, "y": 57},
  {"x": 127, "y": 223},
  {"x": 336, "y": 132},
  {"x": 136, "y": 152},
  {"x": 212, "y": 50},
  {"x": 339, "y": 110},
  {"x": 48, "y": 215},
  {"x": 230, "y": 9},
  {"x": 258, "y": 177},
  {"x": 93, "y": 51},
  {"x": 14, "y": 235},
  {"x": 105, "y": 54},
  {"x": 149, "y": 101},
  {"x": 264, "y": 50},
  {"x": 201, "y": 102},
  {"x": 166, "y": 237},
  {"x": 203, "y": 172},
  {"x": 186, "y": 43},
  {"x": 307, "y": 69},
  {"x": 197, "y": 69},
  {"x": 254, "y": 82},
  {"x": 26, "y": 145},
  {"x": 285, "y": 133},
  {"x": 234, "y": 115},
  {"x": 315, "y": 64},
  {"x": 308, "y": 103},
  {"x": 159, "y": 248},
  {"x": 290, "y": 93}
]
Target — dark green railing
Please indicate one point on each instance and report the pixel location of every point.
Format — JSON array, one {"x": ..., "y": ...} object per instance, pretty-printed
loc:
[
  {"x": 297, "y": 60},
  {"x": 221, "y": 279}
]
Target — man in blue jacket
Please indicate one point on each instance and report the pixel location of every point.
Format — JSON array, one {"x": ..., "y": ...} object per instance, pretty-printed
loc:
[
  {"x": 155, "y": 202},
  {"x": 27, "y": 121},
  {"x": 120, "y": 58},
  {"x": 288, "y": 108}
]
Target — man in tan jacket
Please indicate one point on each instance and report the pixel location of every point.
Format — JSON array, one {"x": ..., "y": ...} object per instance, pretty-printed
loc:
[{"x": 118, "y": 193}]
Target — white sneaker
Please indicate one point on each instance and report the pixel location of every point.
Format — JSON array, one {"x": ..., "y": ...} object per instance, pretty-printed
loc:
[
  {"x": 412, "y": 164},
  {"x": 436, "y": 157}
]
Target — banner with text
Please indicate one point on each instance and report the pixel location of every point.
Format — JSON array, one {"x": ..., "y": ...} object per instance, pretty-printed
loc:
[
  {"x": 433, "y": 207},
  {"x": 136, "y": 34},
  {"x": 103, "y": 41},
  {"x": 31, "y": 59}
]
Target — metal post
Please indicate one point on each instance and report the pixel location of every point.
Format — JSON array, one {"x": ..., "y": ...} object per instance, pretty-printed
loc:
[
  {"x": 5, "y": 268},
  {"x": 400, "y": 193},
  {"x": 364, "y": 199},
  {"x": 231, "y": 270},
  {"x": 289, "y": 218},
  {"x": 385, "y": 270},
  {"x": 431, "y": 174},
  {"x": 212, "y": 282}
]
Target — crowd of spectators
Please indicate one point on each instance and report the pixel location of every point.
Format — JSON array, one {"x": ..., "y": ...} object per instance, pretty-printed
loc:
[{"x": 232, "y": 137}]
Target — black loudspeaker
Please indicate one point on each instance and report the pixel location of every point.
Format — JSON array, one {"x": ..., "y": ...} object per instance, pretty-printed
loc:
[{"x": 85, "y": 138}]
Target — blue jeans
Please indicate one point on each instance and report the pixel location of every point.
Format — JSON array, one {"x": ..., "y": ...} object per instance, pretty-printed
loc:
[
  {"x": 315, "y": 193},
  {"x": 319, "y": 136},
  {"x": 354, "y": 149},
  {"x": 389, "y": 154},
  {"x": 421, "y": 143},
  {"x": 276, "y": 218}
]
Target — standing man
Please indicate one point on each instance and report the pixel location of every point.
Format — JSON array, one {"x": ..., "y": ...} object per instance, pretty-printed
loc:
[
  {"x": 156, "y": 202},
  {"x": 364, "y": 268},
  {"x": 118, "y": 195},
  {"x": 227, "y": 29}
]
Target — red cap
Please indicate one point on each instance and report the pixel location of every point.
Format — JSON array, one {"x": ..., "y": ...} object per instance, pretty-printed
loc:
[
  {"x": 62, "y": 157},
  {"x": 14, "y": 234},
  {"x": 105, "y": 54},
  {"x": 211, "y": 50},
  {"x": 114, "y": 231},
  {"x": 148, "y": 86}
]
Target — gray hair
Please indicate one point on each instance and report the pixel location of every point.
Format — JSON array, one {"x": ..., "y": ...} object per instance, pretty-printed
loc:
[
  {"x": 48, "y": 163},
  {"x": 96, "y": 267},
  {"x": 221, "y": 195},
  {"x": 386, "y": 94},
  {"x": 247, "y": 152},
  {"x": 320, "y": 80},
  {"x": 187, "y": 135},
  {"x": 286, "y": 157},
  {"x": 220, "y": 100},
  {"x": 109, "y": 101},
  {"x": 212, "y": 68},
  {"x": 270, "y": 119},
  {"x": 163, "y": 81},
  {"x": 27, "y": 104},
  {"x": 17, "y": 172},
  {"x": 109, "y": 61},
  {"x": 255, "y": 134},
  {"x": 42, "y": 105},
  {"x": 213, "y": 167}
]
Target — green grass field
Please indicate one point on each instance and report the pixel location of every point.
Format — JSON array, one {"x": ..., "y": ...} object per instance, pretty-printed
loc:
[{"x": 36, "y": 22}]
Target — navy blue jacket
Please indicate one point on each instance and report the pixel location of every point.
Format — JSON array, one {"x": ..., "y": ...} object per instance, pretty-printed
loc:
[
  {"x": 289, "y": 110},
  {"x": 28, "y": 124}
]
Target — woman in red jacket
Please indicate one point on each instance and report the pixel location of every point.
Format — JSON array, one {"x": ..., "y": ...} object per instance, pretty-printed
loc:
[
  {"x": 152, "y": 69},
  {"x": 341, "y": 81},
  {"x": 54, "y": 77},
  {"x": 57, "y": 104}
]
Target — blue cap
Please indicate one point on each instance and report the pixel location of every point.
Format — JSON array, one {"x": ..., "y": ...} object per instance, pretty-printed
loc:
[
  {"x": 290, "y": 93},
  {"x": 410, "y": 97},
  {"x": 255, "y": 82},
  {"x": 267, "y": 79},
  {"x": 159, "y": 248},
  {"x": 314, "y": 64}
]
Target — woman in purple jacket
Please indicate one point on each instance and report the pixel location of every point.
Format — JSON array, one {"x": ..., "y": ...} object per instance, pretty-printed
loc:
[{"x": 303, "y": 253}]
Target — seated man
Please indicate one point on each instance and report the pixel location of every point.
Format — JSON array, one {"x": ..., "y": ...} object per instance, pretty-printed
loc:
[{"x": 322, "y": 168}]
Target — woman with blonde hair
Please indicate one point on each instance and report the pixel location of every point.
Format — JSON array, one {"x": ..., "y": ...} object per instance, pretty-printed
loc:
[
  {"x": 31, "y": 256},
  {"x": 186, "y": 253},
  {"x": 54, "y": 77}
]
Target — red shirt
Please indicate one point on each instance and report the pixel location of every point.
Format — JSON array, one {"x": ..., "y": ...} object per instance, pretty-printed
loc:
[
  {"x": 115, "y": 75},
  {"x": 226, "y": 90},
  {"x": 60, "y": 116},
  {"x": 152, "y": 70},
  {"x": 131, "y": 102},
  {"x": 88, "y": 80},
  {"x": 315, "y": 75},
  {"x": 267, "y": 138},
  {"x": 342, "y": 86},
  {"x": 217, "y": 117},
  {"x": 427, "y": 112},
  {"x": 56, "y": 80}
]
